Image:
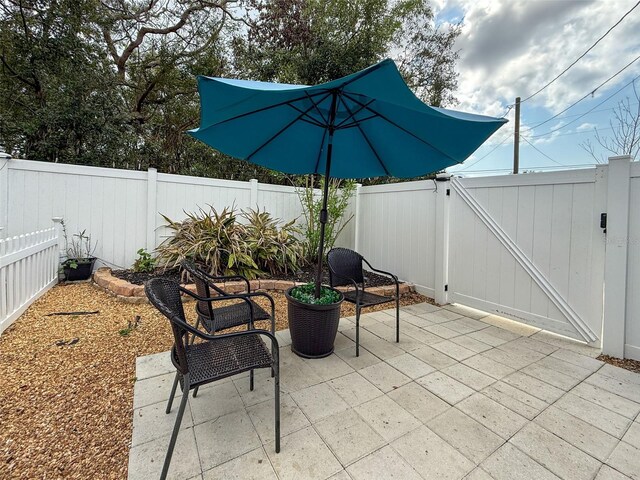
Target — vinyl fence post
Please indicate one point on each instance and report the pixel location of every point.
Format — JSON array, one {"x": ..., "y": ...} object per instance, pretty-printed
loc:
[
  {"x": 62, "y": 253},
  {"x": 152, "y": 208},
  {"x": 442, "y": 239},
  {"x": 616, "y": 253},
  {"x": 4, "y": 194},
  {"x": 356, "y": 219},
  {"x": 253, "y": 193}
]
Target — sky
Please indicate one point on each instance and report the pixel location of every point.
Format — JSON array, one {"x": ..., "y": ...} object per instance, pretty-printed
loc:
[{"x": 511, "y": 48}]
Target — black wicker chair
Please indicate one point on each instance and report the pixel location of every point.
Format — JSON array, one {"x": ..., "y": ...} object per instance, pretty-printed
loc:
[
  {"x": 213, "y": 357},
  {"x": 220, "y": 318},
  {"x": 345, "y": 268},
  {"x": 229, "y": 315}
]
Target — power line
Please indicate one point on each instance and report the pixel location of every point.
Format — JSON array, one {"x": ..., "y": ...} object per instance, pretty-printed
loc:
[
  {"x": 595, "y": 111},
  {"x": 582, "y": 56},
  {"x": 586, "y": 95},
  {"x": 487, "y": 154},
  {"x": 571, "y": 133},
  {"x": 541, "y": 152},
  {"x": 547, "y": 167},
  {"x": 585, "y": 113}
]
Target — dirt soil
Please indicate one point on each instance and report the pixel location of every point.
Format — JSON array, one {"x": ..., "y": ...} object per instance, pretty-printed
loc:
[
  {"x": 66, "y": 402},
  {"x": 626, "y": 363},
  {"x": 305, "y": 274}
]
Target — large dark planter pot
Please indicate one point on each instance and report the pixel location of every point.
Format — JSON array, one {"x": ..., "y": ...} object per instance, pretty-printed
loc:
[
  {"x": 81, "y": 272},
  {"x": 313, "y": 328}
]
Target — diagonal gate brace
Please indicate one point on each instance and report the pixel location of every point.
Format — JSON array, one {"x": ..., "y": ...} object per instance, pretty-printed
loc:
[{"x": 538, "y": 277}]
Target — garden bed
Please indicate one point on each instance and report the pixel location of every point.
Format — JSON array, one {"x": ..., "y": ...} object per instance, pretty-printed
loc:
[
  {"x": 306, "y": 274},
  {"x": 118, "y": 284},
  {"x": 66, "y": 403}
]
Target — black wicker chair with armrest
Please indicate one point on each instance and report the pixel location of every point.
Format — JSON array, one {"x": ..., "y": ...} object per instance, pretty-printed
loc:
[
  {"x": 345, "y": 269},
  {"x": 228, "y": 315},
  {"x": 213, "y": 357}
]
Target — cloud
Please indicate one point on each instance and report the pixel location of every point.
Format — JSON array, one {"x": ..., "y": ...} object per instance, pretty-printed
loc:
[
  {"x": 586, "y": 126},
  {"x": 510, "y": 49}
]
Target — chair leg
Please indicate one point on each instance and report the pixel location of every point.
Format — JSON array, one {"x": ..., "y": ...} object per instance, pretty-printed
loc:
[
  {"x": 251, "y": 380},
  {"x": 357, "y": 330},
  {"x": 173, "y": 392},
  {"x": 176, "y": 427},
  {"x": 397, "y": 320},
  {"x": 277, "y": 400},
  {"x": 195, "y": 392}
]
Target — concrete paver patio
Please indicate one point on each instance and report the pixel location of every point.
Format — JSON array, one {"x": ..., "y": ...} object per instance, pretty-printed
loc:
[{"x": 463, "y": 395}]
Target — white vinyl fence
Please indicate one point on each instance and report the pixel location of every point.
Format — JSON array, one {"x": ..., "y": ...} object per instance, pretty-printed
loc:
[
  {"x": 121, "y": 209},
  {"x": 528, "y": 247},
  {"x": 28, "y": 268}
]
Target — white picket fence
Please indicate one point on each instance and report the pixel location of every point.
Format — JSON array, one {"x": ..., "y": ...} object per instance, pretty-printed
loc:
[{"x": 28, "y": 268}]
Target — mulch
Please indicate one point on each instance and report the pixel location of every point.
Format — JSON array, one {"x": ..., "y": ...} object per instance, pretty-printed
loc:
[
  {"x": 66, "y": 402},
  {"x": 626, "y": 363},
  {"x": 306, "y": 273}
]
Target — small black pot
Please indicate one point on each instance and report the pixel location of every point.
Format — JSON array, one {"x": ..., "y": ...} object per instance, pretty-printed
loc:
[
  {"x": 81, "y": 272},
  {"x": 313, "y": 328}
]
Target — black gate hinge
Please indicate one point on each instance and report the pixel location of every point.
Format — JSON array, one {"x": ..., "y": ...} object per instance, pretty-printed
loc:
[
  {"x": 446, "y": 288},
  {"x": 448, "y": 192}
]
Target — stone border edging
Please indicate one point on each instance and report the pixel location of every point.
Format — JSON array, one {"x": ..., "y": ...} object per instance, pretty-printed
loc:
[{"x": 131, "y": 293}]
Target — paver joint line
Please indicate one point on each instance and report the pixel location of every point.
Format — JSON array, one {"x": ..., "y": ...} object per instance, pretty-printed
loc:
[{"x": 359, "y": 391}]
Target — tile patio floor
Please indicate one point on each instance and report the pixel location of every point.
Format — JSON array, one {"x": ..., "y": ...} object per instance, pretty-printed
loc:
[{"x": 463, "y": 395}]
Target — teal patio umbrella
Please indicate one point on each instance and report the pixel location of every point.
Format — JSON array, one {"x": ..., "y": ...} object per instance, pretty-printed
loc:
[{"x": 367, "y": 124}]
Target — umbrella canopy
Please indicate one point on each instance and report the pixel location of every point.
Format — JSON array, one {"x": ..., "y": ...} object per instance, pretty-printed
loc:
[
  {"x": 368, "y": 124},
  {"x": 381, "y": 127}
]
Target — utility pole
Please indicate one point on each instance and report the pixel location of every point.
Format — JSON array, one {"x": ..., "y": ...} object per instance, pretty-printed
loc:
[{"x": 516, "y": 140}]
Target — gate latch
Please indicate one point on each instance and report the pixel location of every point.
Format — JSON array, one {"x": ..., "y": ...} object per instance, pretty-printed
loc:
[{"x": 603, "y": 222}]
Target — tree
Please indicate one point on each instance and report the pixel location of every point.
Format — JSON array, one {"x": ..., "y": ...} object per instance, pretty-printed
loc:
[
  {"x": 314, "y": 41},
  {"x": 625, "y": 139},
  {"x": 50, "y": 88},
  {"x": 113, "y": 82}
]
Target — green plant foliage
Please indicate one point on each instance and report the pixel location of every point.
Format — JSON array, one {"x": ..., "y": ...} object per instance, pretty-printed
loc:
[
  {"x": 145, "y": 262},
  {"x": 79, "y": 248},
  {"x": 228, "y": 247},
  {"x": 340, "y": 192},
  {"x": 276, "y": 249},
  {"x": 306, "y": 294}
]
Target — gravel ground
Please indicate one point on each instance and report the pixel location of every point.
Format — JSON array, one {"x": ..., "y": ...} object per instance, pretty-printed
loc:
[
  {"x": 626, "y": 363},
  {"x": 66, "y": 402}
]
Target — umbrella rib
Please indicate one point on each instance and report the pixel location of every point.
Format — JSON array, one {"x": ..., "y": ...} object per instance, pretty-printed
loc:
[
  {"x": 352, "y": 115},
  {"x": 275, "y": 105},
  {"x": 326, "y": 121},
  {"x": 401, "y": 128},
  {"x": 324, "y": 135},
  {"x": 366, "y": 138},
  {"x": 309, "y": 118},
  {"x": 277, "y": 134},
  {"x": 356, "y": 122}
]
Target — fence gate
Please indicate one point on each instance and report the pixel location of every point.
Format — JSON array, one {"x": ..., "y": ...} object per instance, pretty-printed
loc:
[{"x": 531, "y": 249}]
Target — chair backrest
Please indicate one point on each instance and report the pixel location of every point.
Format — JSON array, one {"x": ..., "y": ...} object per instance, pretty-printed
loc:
[
  {"x": 203, "y": 285},
  {"x": 164, "y": 294},
  {"x": 344, "y": 265}
]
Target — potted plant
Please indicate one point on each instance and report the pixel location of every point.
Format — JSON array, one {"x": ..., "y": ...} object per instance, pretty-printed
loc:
[
  {"x": 314, "y": 309},
  {"x": 79, "y": 251},
  {"x": 313, "y": 320}
]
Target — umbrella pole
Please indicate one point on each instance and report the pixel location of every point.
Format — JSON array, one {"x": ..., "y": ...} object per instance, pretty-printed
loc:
[{"x": 325, "y": 193}]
